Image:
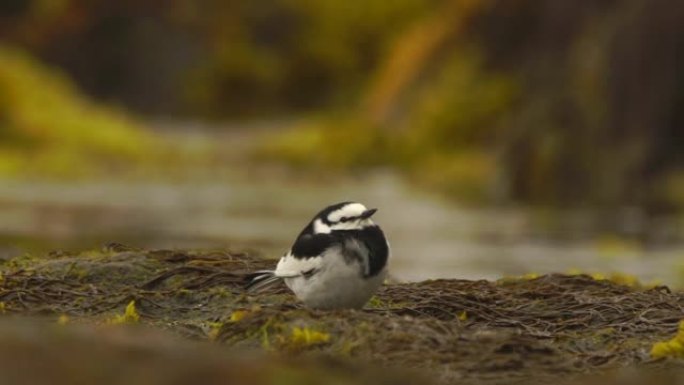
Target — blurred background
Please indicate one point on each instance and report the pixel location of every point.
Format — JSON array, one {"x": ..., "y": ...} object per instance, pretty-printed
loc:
[{"x": 496, "y": 137}]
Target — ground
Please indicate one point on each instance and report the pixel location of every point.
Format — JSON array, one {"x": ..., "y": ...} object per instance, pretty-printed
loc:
[{"x": 94, "y": 307}]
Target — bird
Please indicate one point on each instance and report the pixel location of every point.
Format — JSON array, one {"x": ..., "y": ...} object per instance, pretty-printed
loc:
[{"x": 338, "y": 261}]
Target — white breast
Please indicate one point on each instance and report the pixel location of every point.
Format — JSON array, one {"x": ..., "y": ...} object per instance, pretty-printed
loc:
[{"x": 338, "y": 283}]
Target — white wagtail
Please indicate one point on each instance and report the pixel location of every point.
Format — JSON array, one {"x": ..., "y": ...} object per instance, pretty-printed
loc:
[{"x": 338, "y": 261}]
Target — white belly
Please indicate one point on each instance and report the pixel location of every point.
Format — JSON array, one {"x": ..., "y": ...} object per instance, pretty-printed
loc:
[{"x": 336, "y": 285}]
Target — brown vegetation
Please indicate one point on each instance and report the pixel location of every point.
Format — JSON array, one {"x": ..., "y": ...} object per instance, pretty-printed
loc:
[{"x": 528, "y": 330}]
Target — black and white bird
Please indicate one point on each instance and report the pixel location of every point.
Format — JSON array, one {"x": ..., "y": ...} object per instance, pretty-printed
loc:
[{"x": 338, "y": 261}]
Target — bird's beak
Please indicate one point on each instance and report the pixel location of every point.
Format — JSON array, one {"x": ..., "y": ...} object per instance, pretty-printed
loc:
[{"x": 368, "y": 213}]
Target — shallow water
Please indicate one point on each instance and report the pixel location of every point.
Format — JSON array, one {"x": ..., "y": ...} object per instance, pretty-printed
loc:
[{"x": 264, "y": 211}]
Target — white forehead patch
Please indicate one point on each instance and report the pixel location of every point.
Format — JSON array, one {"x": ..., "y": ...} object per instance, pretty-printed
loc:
[
  {"x": 348, "y": 210},
  {"x": 352, "y": 225}
]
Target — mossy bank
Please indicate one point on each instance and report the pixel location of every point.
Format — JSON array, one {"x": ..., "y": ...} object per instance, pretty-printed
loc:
[{"x": 480, "y": 332}]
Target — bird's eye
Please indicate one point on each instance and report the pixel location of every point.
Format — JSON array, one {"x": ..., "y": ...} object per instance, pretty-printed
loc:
[
  {"x": 307, "y": 274},
  {"x": 344, "y": 219}
]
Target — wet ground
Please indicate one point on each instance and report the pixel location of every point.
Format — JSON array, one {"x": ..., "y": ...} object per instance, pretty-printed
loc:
[{"x": 551, "y": 328}]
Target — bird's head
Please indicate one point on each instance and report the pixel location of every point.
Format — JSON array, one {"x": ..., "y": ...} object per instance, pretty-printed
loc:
[{"x": 343, "y": 216}]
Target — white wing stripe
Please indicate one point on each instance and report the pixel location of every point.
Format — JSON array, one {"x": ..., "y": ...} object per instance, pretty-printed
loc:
[{"x": 289, "y": 266}]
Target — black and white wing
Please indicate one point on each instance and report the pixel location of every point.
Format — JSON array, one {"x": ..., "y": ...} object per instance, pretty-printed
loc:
[{"x": 304, "y": 258}]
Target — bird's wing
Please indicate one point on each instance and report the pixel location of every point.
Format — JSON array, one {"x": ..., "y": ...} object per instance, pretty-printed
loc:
[
  {"x": 291, "y": 266},
  {"x": 305, "y": 257},
  {"x": 311, "y": 245}
]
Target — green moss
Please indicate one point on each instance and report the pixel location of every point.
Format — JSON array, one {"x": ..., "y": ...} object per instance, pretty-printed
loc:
[
  {"x": 263, "y": 333},
  {"x": 377, "y": 303}
]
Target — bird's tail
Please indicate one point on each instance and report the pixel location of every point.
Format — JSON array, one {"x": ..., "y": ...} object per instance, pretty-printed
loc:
[{"x": 261, "y": 280}]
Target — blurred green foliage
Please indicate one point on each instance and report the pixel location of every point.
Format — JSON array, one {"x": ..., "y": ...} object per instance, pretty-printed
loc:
[
  {"x": 214, "y": 58},
  {"x": 291, "y": 55},
  {"x": 534, "y": 101},
  {"x": 445, "y": 141},
  {"x": 47, "y": 127}
]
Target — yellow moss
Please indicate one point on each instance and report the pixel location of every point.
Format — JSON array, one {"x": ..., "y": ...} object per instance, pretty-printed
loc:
[
  {"x": 348, "y": 347},
  {"x": 302, "y": 337},
  {"x": 63, "y": 319},
  {"x": 630, "y": 280},
  {"x": 238, "y": 315},
  {"x": 524, "y": 277},
  {"x": 3, "y": 308},
  {"x": 463, "y": 316},
  {"x": 671, "y": 348},
  {"x": 214, "y": 330},
  {"x": 130, "y": 315},
  {"x": 263, "y": 330},
  {"x": 625, "y": 279},
  {"x": 375, "y": 302}
]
